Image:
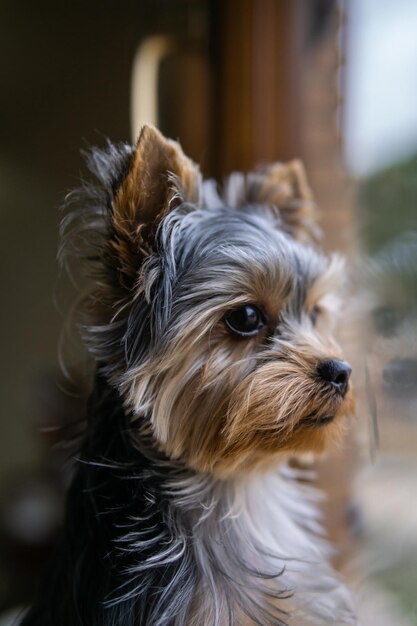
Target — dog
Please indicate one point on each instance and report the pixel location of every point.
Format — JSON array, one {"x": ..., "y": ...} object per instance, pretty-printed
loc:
[{"x": 210, "y": 320}]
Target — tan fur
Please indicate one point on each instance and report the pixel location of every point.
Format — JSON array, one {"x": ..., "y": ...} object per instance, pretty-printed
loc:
[
  {"x": 285, "y": 185},
  {"x": 148, "y": 193}
]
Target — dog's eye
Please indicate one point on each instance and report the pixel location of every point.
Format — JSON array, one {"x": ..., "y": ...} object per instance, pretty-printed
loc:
[
  {"x": 314, "y": 313},
  {"x": 386, "y": 320},
  {"x": 246, "y": 321}
]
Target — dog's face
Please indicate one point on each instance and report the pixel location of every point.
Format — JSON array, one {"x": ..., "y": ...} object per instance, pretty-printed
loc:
[{"x": 224, "y": 314}]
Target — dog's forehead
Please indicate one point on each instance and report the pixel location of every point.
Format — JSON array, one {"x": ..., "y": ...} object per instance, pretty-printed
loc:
[{"x": 246, "y": 246}]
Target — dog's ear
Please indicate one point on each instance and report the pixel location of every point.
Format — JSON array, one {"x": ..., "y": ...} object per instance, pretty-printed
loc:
[
  {"x": 159, "y": 177},
  {"x": 285, "y": 186}
]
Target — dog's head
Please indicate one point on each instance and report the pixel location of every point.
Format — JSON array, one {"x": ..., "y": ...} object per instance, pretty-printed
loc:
[{"x": 213, "y": 313}]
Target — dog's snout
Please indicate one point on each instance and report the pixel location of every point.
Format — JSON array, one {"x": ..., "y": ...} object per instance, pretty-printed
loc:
[
  {"x": 335, "y": 372},
  {"x": 400, "y": 375}
]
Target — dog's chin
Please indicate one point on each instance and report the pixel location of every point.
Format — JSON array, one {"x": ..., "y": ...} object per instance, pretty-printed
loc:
[
  {"x": 317, "y": 421},
  {"x": 315, "y": 437},
  {"x": 314, "y": 432},
  {"x": 319, "y": 429}
]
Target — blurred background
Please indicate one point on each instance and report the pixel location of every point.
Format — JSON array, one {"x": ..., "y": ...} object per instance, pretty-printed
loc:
[{"x": 239, "y": 83}]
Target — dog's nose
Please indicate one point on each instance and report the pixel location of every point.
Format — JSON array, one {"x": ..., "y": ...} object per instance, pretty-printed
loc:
[
  {"x": 336, "y": 373},
  {"x": 400, "y": 375}
]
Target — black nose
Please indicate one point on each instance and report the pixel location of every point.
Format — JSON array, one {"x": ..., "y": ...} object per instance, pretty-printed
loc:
[
  {"x": 400, "y": 375},
  {"x": 336, "y": 373}
]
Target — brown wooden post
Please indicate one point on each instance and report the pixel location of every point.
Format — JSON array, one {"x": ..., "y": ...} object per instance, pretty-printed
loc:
[{"x": 257, "y": 73}]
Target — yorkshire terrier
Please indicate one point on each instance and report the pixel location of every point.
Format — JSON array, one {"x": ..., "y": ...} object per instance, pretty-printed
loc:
[{"x": 210, "y": 320}]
